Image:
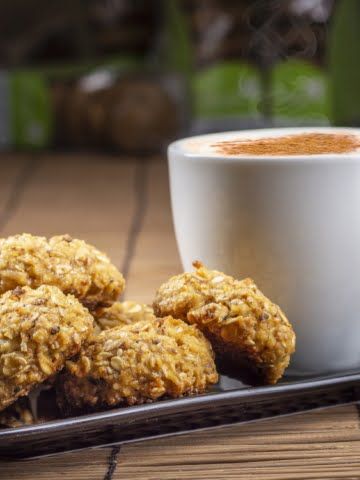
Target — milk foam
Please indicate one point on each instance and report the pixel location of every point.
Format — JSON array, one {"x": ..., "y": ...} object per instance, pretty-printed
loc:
[{"x": 208, "y": 145}]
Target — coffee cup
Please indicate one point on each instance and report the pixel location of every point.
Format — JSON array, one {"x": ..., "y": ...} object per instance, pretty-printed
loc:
[{"x": 290, "y": 221}]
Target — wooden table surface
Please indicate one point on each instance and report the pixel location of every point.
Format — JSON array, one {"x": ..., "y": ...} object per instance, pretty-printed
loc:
[{"x": 122, "y": 206}]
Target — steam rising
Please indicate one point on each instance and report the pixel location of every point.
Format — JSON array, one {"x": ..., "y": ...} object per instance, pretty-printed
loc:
[{"x": 274, "y": 39}]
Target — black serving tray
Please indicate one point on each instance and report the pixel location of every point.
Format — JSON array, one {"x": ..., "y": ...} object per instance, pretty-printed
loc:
[{"x": 230, "y": 402}]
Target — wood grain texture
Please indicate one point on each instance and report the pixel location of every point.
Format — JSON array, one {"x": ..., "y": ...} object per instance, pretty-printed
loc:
[
  {"x": 324, "y": 444},
  {"x": 90, "y": 197},
  {"x": 124, "y": 209},
  {"x": 156, "y": 257},
  {"x": 14, "y": 172},
  {"x": 317, "y": 445},
  {"x": 85, "y": 465}
]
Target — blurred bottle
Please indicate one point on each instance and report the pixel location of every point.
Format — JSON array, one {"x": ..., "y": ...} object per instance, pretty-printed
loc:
[{"x": 344, "y": 63}]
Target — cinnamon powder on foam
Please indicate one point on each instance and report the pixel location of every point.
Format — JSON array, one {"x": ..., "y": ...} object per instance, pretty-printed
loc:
[{"x": 299, "y": 144}]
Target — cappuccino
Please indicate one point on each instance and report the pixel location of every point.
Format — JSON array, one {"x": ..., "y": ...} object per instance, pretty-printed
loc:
[{"x": 307, "y": 142}]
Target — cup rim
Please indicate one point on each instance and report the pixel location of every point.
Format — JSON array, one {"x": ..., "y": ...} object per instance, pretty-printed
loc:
[{"x": 176, "y": 146}]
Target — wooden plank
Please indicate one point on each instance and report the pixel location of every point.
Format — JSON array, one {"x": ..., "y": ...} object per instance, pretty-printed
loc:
[
  {"x": 324, "y": 444},
  {"x": 84, "y": 465},
  {"x": 89, "y": 197},
  {"x": 11, "y": 169},
  {"x": 156, "y": 257}
]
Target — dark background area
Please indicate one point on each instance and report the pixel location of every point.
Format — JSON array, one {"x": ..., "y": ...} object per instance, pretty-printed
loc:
[{"x": 130, "y": 76}]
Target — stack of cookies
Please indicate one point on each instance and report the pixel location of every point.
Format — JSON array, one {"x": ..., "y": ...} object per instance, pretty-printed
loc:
[{"x": 63, "y": 327}]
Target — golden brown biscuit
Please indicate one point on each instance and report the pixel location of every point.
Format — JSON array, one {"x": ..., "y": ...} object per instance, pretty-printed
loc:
[
  {"x": 249, "y": 333},
  {"x": 120, "y": 314},
  {"x": 138, "y": 363},
  {"x": 39, "y": 330},
  {"x": 69, "y": 264}
]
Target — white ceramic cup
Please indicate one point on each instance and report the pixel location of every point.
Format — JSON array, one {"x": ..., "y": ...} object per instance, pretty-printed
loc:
[{"x": 291, "y": 223}]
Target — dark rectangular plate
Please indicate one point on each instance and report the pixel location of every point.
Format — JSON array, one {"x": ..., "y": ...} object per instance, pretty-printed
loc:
[{"x": 230, "y": 402}]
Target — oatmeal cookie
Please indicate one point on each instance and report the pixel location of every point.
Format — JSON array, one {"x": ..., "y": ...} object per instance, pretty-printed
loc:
[
  {"x": 39, "y": 330},
  {"x": 138, "y": 363},
  {"x": 69, "y": 264},
  {"x": 122, "y": 313},
  {"x": 250, "y": 335}
]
